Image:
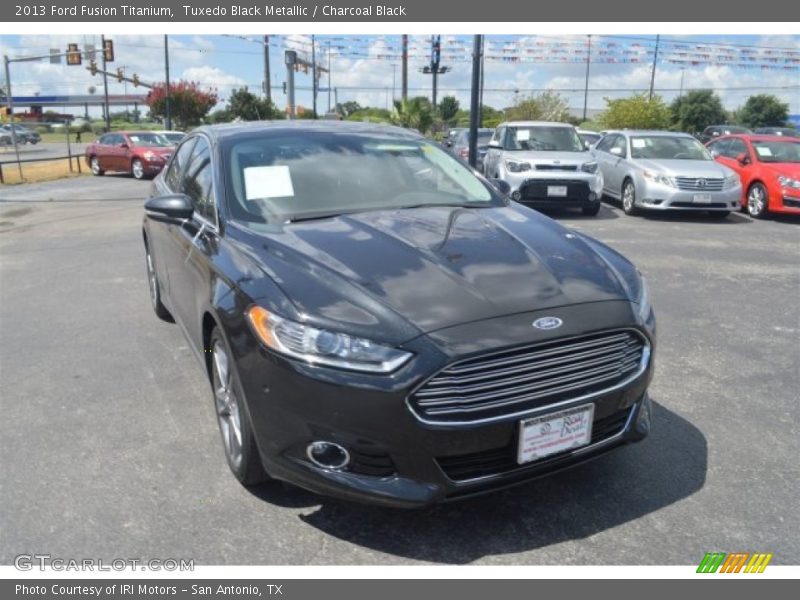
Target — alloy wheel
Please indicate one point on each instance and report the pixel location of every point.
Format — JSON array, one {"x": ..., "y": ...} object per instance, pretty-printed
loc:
[
  {"x": 227, "y": 405},
  {"x": 628, "y": 198},
  {"x": 756, "y": 201},
  {"x": 95, "y": 166},
  {"x": 138, "y": 169}
]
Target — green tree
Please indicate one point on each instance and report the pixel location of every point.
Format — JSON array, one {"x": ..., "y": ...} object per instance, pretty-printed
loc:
[
  {"x": 697, "y": 110},
  {"x": 248, "y": 107},
  {"x": 348, "y": 108},
  {"x": 635, "y": 112},
  {"x": 372, "y": 115},
  {"x": 763, "y": 110},
  {"x": 222, "y": 115},
  {"x": 448, "y": 108},
  {"x": 188, "y": 103},
  {"x": 415, "y": 113},
  {"x": 547, "y": 106}
]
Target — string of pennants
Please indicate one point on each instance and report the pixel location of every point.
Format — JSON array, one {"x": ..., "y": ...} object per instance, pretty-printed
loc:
[{"x": 542, "y": 49}]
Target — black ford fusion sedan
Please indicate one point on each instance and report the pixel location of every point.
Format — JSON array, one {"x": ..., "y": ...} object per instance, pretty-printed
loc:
[{"x": 379, "y": 323}]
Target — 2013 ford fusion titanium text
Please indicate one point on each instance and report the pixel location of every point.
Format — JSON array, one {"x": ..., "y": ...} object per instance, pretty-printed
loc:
[{"x": 378, "y": 323}]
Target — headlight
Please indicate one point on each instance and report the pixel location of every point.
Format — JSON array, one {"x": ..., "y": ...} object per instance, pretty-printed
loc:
[
  {"x": 659, "y": 178},
  {"x": 318, "y": 346},
  {"x": 788, "y": 182},
  {"x": 150, "y": 156},
  {"x": 589, "y": 167},
  {"x": 731, "y": 181},
  {"x": 644, "y": 300},
  {"x": 517, "y": 167}
]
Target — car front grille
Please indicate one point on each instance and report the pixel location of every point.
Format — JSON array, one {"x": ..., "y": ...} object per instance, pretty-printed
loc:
[
  {"x": 536, "y": 189},
  {"x": 699, "y": 184},
  {"x": 556, "y": 167},
  {"x": 513, "y": 381},
  {"x": 498, "y": 461},
  {"x": 791, "y": 203}
]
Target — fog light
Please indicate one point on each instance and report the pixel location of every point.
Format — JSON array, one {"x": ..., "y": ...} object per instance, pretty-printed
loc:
[
  {"x": 516, "y": 195},
  {"x": 328, "y": 455},
  {"x": 592, "y": 196}
]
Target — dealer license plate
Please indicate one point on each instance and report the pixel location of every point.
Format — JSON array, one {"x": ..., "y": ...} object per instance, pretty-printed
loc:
[
  {"x": 554, "y": 432},
  {"x": 702, "y": 198},
  {"x": 557, "y": 190}
]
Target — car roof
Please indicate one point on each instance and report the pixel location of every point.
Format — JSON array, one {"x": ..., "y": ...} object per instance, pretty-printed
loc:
[
  {"x": 228, "y": 130},
  {"x": 757, "y": 137},
  {"x": 654, "y": 133},
  {"x": 535, "y": 124}
]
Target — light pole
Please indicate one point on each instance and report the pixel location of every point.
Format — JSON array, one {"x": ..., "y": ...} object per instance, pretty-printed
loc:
[
  {"x": 586, "y": 84},
  {"x": 167, "y": 112}
]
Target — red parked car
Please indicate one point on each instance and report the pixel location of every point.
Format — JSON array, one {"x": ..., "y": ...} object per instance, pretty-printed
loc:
[
  {"x": 140, "y": 153},
  {"x": 769, "y": 167}
]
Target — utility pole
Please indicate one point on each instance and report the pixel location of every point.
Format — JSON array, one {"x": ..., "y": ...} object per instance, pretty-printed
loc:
[
  {"x": 586, "y": 84},
  {"x": 680, "y": 94},
  {"x": 483, "y": 67},
  {"x": 404, "y": 76},
  {"x": 10, "y": 105},
  {"x": 267, "y": 84},
  {"x": 435, "y": 58},
  {"x": 290, "y": 58},
  {"x": 653, "y": 73},
  {"x": 394, "y": 73},
  {"x": 329, "y": 76},
  {"x": 314, "y": 75},
  {"x": 105, "y": 84},
  {"x": 167, "y": 112},
  {"x": 474, "y": 108}
]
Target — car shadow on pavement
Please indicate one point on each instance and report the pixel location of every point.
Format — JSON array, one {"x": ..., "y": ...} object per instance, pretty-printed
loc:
[
  {"x": 733, "y": 218},
  {"x": 623, "y": 486},
  {"x": 576, "y": 215}
]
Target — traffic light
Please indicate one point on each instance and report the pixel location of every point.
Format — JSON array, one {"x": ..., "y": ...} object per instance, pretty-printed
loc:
[
  {"x": 120, "y": 75},
  {"x": 93, "y": 67},
  {"x": 135, "y": 80},
  {"x": 73, "y": 55},
  {"x": 108, "y": 50}
]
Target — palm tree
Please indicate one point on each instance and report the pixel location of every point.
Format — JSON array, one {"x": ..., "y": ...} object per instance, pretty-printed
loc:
[{"x": 414, "y": 113}]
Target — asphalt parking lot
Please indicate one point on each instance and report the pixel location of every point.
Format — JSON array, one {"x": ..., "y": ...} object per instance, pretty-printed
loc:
[{"x": 109, "y": 445}]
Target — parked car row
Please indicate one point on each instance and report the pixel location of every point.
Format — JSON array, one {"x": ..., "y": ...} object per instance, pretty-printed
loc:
[
  {"x": 546, "y": 164},
  {"x": 24, "y": 135}
]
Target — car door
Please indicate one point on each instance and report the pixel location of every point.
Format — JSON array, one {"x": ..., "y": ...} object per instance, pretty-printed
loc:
[
  {"x": 603, "y": 158},
  {"x": 193, "y": 242},
  {"x": 102, "y": 151},
  {"x": 736, "y": 150},
  {"x": 616, "y": 164},
  {"x": 165, "y": 253}
]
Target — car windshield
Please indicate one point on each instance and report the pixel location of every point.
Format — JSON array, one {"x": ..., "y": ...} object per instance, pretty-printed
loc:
[
  {"x": 543, "y": 138},
  {"x": 173, "y": 137},
  {"x": 294, "y": 176},
  {"x": 777, "y": 152},
  {"x": 667, "y": 147},
  {"x": 483, "y": 138},
  {"x": 149, "y": 139}
]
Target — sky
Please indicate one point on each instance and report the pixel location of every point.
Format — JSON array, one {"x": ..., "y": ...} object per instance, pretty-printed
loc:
[{"x": 366, "y": 69}]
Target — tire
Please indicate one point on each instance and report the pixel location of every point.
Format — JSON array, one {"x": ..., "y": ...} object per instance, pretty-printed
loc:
[
  {"x": 757, "y": 201},
  {"x": 155, "y": 289},
  {"x": 137, "y": 169},
  {"x": 719, "y": 214},
  {"x": 629, "y": 203},
  {"x": 238, "y": 440},
  {"x": 591, "y": 211},
  {"x": 94, "y": 164}
]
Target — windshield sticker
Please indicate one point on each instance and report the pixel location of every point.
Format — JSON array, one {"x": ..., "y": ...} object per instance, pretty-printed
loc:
[
  {"x": 638, "y": 143},
  {"x": 763, "y": 151},
  {"x": 523, "y": 135},
  {"x": 268, "y": 182}
]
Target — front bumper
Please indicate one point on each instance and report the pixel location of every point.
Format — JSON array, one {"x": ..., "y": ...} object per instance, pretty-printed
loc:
[
  {"x": 790, "y": 203},
  {"x": 657, "y": 196},
  {"x": 397, "y": 459},
  {"x": 555, "y": 189}
]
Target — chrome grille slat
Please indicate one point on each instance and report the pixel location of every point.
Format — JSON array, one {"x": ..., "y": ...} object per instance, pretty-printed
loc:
[
  {"x": 511, "y": 380},
  {"x": 692, "y": 184},
  {"x": 528, "y": 356},
  {"x": 527, "y": 377}
]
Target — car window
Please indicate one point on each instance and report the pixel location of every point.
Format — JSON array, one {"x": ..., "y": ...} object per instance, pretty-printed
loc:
[
  {"x": 552, "y": 138},
  {"x": 289, "y": 176},
  {"x": 176, "y": 166},
  {"x": 106, "y": 139},
  {"x": 668, "y": 147},
  {"x": 197, "y": 182},
  {"x": 604, "y": 145},
  {"x": 499, "y": 134},
  {"x": 736, "y": 148},
  {"x": 720, "y": 147},
  {"x": 777, "y": 151},
  {"x": 620, "y": 143}
]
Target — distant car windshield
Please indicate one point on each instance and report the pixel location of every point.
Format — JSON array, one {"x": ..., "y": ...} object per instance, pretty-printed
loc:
[
  {"x": 777, "y": 152},
  {"x": 668, "y": 148},
  {"x": 483, "y": 138},
  {"x": 291, "y": 176},
  {"x": 173, "y": 137},
  {"x": 149, "y": 139},
  {"x": 543, "y": 138}
]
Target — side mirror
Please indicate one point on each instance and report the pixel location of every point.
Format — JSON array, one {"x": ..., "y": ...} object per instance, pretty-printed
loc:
[
  {"x": 616, "y": 152},
  {"x": 174, "y": 207},
  {"x": 494, "y": 144},
  {"x": 501, "y": 186},
  {"x": 715, "y": 154},
  {"x": 743, "y": 159}
]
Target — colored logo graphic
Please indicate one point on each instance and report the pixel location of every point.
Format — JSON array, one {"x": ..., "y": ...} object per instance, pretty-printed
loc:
[{"x": 736, "y": 562}]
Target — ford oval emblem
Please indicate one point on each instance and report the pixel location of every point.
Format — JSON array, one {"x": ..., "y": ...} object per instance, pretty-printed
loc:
[{"x": 548, "y": 323}]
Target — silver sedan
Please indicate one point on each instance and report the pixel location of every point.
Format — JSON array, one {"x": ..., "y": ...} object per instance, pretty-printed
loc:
[{"x": 659, "y": 170}]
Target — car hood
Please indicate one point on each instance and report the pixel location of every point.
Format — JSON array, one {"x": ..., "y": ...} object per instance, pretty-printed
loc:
[
  {"x": 708, "y": 169},
  {"x": 433, "y": 267},
  {"x": 788, "y": 169},
  {"x": 550, "y": 158}
]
